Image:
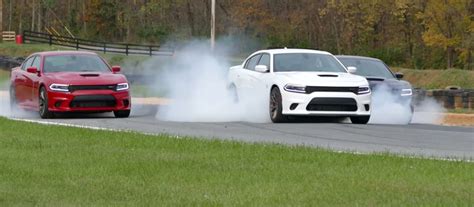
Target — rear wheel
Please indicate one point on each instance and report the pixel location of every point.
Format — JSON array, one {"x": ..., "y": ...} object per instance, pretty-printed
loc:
[
  {"x": 13, "y": 106},
  {"x": 360, "y": 119},
  {"x": 122, "y": 114},
  {"x": 233, "y": 93},
  {"x": 276, "y": 106},
  {"x": 43, "y": 105}
]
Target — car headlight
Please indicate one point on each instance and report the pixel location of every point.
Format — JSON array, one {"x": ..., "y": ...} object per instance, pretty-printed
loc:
[
  {"x": 406, "y": 92},
  {"x": 363, "y": 90},
  {"x": 295, "y": 88},
  {"x": 122, "y": 87},
  {"x": 59, "y": 87}
]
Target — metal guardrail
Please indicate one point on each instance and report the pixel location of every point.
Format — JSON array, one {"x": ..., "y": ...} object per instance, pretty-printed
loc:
[{"x": 136, "y": 49}]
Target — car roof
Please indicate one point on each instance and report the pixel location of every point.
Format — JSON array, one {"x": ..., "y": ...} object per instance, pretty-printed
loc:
[
  {"x": 358, "y": 57},
  {"x": 292, "y": 50},
  {"x": 64, "y": 52}
]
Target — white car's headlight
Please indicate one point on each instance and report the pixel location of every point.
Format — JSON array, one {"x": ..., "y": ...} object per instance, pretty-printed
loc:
[
  {"x": 295, "y": 88},
  {"x": 122, "y": 86},
  {"x": 406, "y": 92},
  {"x": 363, "y": 90},
  {"x": 59, "y": 87}
]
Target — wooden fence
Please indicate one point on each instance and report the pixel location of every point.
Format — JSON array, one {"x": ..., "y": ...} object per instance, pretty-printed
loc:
[{"x": 82, "y": 44}]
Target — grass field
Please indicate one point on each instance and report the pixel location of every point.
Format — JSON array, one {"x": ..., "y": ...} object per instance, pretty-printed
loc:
[
  {"x": 439, "y": 79},
  {"x": 60, "y": 166}
]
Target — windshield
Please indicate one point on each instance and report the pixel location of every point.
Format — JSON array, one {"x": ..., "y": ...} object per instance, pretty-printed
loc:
[
  {"x": 368, "y": 68},
  {"x": 74, "y": 63},
  {"x": 309, "y": 62}
]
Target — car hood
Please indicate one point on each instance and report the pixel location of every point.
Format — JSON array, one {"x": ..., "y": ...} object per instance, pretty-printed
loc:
[
  {"x": 322, "y": 78},
  {"x": 85, "y": 78},
  {"x": 376, "y": 82}
]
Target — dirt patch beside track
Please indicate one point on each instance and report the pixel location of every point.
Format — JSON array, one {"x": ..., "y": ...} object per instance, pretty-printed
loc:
[{"x": 452, "y": 119}]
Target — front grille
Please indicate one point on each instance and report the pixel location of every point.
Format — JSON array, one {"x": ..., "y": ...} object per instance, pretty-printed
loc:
[
  {"x": 88, "y": 101},
  {"x": 91, "y": 87},
  {"x": 311, "y": 89},
  {"x": 332, "y": 104}
]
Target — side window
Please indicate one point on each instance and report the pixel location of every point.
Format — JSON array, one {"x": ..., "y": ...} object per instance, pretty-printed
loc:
[
  {"x": 265, "y": 60},
  {"x": 37, "y": 62},
  {"x": 27, "y": 63},
  {"x": 252, "y": 62}
]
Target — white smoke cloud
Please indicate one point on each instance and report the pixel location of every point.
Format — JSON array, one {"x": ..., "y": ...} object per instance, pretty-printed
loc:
[
  {"x": 386, "y": 109},
  {"x": 196, "y": 81},
  {"x": 428, "y": 111},
  {"x": 4, "y": 99}
]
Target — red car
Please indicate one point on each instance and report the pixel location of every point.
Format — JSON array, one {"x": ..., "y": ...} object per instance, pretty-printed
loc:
[{"x": 69, "y": 81}]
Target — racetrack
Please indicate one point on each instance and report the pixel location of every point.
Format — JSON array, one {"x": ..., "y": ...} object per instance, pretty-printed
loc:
[{"x": 415, "y": 139}]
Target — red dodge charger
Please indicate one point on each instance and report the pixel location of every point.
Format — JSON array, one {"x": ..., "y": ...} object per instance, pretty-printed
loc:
[{"x": 69, "y": 81}]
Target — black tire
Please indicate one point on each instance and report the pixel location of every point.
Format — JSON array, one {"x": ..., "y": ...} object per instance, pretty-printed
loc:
[
  {"x": 122, "y": 114},
  {"x": 233, "y": 93},
  {"x": 13, "y": 104},
  {"x": 43, "y": 104},
  {"x": 275, "y": 106},
  {"x": 360, "y": 119}
]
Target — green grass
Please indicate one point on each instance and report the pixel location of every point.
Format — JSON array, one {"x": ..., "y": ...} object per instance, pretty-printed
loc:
[
  {"x": 23, "y": 50},
  {"x": 438, "y": 79},
  {"x": 4, "y": 77},
  {"x": 461, "y": 111},
  {"x": 60, "y": 166}
]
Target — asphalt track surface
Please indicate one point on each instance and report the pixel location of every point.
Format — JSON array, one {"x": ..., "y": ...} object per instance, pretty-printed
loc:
[{"x": 411, "y": 140}]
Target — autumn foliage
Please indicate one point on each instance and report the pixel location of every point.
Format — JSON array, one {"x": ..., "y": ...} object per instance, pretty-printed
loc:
[{"x": 410, "y": 33}]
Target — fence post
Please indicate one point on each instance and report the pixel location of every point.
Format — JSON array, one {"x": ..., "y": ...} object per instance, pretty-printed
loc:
[
  {"x": 24, "y": 36},
  {"x": 77, "y": 44},
  {"x": 105, "y": 47},
  {"x": 50, "y": 39},
  {"x": 151, "y": 51},
  {"x": 126, "y": 49}
]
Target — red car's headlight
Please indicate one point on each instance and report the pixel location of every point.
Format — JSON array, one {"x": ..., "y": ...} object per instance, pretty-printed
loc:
[
  {"x": 122, "y": 87},
  {"x": 59, "y": 87}
]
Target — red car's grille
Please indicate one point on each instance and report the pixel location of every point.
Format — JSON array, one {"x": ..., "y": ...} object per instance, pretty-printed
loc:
[
  {"x": 93, "y": 101},
  {"x": 91, "y": 87}
]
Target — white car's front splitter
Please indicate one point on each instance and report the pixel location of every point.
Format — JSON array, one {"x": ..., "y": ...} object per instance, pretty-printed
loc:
[{"x": 298, "y": 104}]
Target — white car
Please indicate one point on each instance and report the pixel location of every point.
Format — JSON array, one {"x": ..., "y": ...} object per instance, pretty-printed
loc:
[{"x": 302, "y": 82}]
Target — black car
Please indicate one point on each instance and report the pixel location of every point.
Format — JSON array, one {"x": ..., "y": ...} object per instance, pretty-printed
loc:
[{"x": 379, "y": 74}]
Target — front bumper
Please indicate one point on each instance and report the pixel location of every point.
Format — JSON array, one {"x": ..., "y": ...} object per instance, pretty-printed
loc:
[
  {"x": 89, "y": 100},
  {"x": 331, "y": 104}
]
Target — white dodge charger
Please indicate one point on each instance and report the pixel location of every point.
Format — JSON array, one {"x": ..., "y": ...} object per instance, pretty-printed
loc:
[{"x": 302, "y": 82}]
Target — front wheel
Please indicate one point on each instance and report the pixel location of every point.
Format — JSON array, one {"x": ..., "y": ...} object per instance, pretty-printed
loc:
[
  {"x": 122, "y": 114},
  {"x": 43, "y": 104},
  {"x": 276, "y": 107},
  {"x": 360, "y": 119}
]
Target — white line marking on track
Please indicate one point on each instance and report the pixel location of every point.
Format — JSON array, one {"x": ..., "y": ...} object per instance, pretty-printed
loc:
[{"x": 470, "y": 160}]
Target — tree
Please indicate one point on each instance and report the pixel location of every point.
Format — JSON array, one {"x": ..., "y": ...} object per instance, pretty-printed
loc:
[{"x": 447, "y": 26}]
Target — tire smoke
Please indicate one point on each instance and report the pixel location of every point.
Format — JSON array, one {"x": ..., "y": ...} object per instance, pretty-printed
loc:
[
  {"x": 196, "y": 82},
  {"x": 388, "y": 109}
]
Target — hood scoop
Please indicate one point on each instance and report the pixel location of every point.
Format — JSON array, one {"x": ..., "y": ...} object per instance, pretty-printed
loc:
[
  {"x": 375, "y": 79},
  {"x": 90, "y": 75},
  {"x": 328, "y": 75}
]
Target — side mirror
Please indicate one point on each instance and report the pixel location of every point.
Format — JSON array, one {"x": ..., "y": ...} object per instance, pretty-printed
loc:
[
  {"x": 262, "y": 68},
  {"x": 116, "y": 69},
  {"x": 351, "y": 69},
  {"x": 399, "y": 75},
  {"x": 32, "y": 70}
]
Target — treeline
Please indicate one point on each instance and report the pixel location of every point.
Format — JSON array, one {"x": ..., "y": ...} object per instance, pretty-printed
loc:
[{"x": 409, "y": 33}]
